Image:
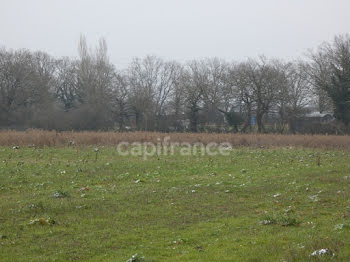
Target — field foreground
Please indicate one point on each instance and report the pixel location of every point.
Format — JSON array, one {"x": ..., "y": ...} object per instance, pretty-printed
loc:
[{"x": 72, "y": 203}]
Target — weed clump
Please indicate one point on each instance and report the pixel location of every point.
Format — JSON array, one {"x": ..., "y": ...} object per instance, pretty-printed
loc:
[
  {"x": 284, "y": 219},
  {"x": 60, "y": 194},
  {"x": 42, "y": 221},
  {"x": 136, "y": 258}
]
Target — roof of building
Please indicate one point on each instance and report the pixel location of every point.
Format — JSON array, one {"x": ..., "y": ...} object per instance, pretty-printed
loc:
[{"x": 318, "y": 114}]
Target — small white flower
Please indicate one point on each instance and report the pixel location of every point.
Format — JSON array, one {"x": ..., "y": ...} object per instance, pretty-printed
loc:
[
  {"x": 314, "y": 198},
  {"x": 57, "y": 195},
  {"x": 265, "y": 222},
  {"x": 276, "y": 195},
  {"x": 193, "y": 191},
  {"x": 339, "y": 227},
  {"x": 301, "y": 246},
  {"x": 322, "y": 252},
  {"x": 133, "y": 258},
  {"x": 137, "y": 181}
]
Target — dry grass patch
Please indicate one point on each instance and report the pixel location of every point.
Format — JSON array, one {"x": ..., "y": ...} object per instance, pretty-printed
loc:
[{"x": 52, "y": 138}]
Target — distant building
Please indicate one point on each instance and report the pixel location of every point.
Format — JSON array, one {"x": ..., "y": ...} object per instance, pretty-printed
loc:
[
  {"x": 325, "y": 117},
  {"x": 313, "y": 123}
]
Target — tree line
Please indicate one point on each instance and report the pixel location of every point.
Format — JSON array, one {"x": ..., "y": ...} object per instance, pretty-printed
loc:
[{"x": 152, "y": 94}]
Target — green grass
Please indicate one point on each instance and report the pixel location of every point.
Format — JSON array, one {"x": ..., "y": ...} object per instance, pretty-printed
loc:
[{"x": 61, "y": 204}]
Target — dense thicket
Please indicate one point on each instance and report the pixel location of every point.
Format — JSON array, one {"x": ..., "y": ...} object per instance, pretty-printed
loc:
[{"x": 89, "y": 93}]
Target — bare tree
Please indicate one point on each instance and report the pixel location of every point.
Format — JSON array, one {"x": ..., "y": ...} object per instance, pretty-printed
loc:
[
  {"x": 194, "y": 82},
  {"x": 217, "y": 89},
  {"x": 330, "y": 69},
  {"x": 176, "y": 102},
  {"x": 121, "y": 96},
  {"x": 95, "y": 76},
  {"x": 66, "y": 83},
  {"x": 25, "y": 82},
  {"x": 142, "y": 77},
  {"x": 320, "y": 73},
  {"x": 151, "y": 83},
  {"x": 265, "y": 79},
  {"x": 244, "y": 93}
]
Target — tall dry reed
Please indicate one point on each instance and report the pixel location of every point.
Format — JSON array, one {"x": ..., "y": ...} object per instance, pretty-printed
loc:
[{"x": 41, "y": 138}]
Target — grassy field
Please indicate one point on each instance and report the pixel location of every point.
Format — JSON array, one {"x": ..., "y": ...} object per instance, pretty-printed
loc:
[{"x": 71, "y": 203}]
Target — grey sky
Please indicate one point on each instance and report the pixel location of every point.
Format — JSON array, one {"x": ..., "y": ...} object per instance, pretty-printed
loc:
[{"x": 174, "y": 29}]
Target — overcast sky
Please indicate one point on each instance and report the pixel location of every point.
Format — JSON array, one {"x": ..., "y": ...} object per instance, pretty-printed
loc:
[{"x": 174, "y": 29}]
